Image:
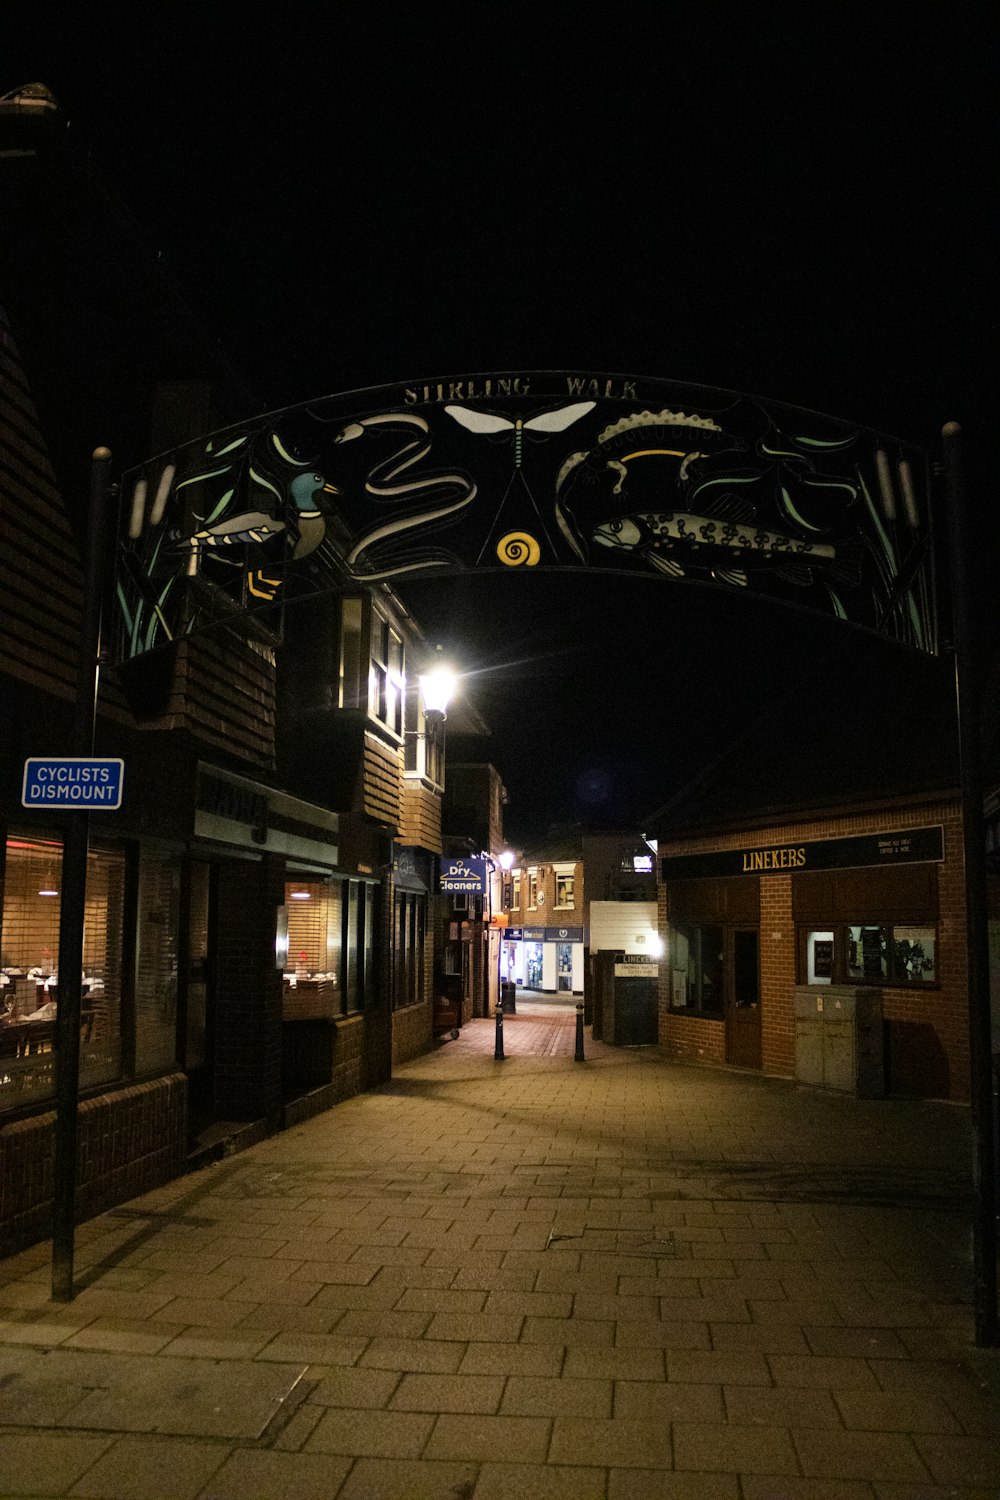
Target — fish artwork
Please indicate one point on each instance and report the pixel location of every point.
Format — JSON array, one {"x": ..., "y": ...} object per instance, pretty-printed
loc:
[{"x": 726, "y": 545}]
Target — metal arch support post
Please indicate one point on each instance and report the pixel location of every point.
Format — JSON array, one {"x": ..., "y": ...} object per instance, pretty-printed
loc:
[
  {"x": 74, "y": 889},
  {"x": 578, "y": 1054},
  {"x": 498, "y": 1054},
  {"x": 984, "y": 1227}
]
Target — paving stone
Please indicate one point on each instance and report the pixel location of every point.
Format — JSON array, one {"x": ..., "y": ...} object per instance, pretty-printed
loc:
[
  {"x": 651, "y": 1484},
  {"x": 356, "y": 1388},
  {"x": 623, "y": 1442},
  {"x": 256, "y": 1475},
  {"x": 961, "y": 1460},
  {"x": 819, "y": 1370},
  {"x": 313, "y": 1348},
  {"x": 484, "y": 1438},
  {"x": 895, "y": 1411},
  {"x": 766, "y": 1487},
  {"x": 371, "y": 1434},
  {"x": 859, "y": 1455},
  {"x": 782, "y": 1407},
  {"x": 125, "y": 1335},
  {"x": 721, "y": 1448},
  {"x": 538, "y": 1396},
  {"x": 440, "y": 1393},
  {"x": 440, "y": 1356},
  {"x": 862, "y": 1342},
  {"x": 760, "y": 1338},
  {"x": 696, "y": 1365},
  {"x": 46, "y": 1465},
  {"x": 670, "y": 1401},
  {"x": 514, "y": 1481},
  {"x": 662, "y": 1334},
  {"x": 470, "y": 1327},
  {"x": 539, "y": 1360},
  {"x": 150, "y": 1469},
  {"x": 394, "y": 1479}
]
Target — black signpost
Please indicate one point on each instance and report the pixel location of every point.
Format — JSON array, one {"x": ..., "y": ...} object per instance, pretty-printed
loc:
[{"x": 73, "y": 892}]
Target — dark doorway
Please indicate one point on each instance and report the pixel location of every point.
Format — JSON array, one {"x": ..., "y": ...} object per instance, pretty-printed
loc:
[{"x": 743, "y": 1038}]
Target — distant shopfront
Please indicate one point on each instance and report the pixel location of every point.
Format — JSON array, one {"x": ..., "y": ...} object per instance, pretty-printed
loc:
[
  {"x": 871, "y": 903},
  {"x": 549, "y": 959}
]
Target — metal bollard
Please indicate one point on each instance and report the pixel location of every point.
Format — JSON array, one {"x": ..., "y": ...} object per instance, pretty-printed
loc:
[
  {"x": 498, "y": 1045},
  {"x": 578, "y": 1054}
]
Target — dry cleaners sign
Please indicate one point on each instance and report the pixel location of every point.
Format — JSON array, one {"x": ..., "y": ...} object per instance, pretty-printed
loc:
[{"x": 464, "y": 874}]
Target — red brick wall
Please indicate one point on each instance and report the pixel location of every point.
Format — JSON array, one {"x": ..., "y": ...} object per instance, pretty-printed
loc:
[
  {"x": 927, "y": 1031},
  {"x": 129, "y": 1141}
]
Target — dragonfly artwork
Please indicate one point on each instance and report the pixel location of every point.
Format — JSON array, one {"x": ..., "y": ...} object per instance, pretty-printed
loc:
[
  {"x": 490, "y": 425},
  {"x": 537, "y": 470}
]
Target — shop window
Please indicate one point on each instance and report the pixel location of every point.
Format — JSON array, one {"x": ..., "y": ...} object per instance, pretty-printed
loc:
[
  {"x": 869, "y": 953},
  {"x": 819, "y": 957},
  {"x": 409, "y": 930},
  {"x": 313, "y": 983},
  {"x": 157, "y": 934},
  {"x": 423, "y": 750},
  {"x": 29, "y": 979},
  {"x": 564, "y": 890},
  {"x": 697, "y": 970}
]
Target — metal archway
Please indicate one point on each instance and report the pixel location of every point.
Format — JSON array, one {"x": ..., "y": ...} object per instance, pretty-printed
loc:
[{"x": 541, "y": 470}]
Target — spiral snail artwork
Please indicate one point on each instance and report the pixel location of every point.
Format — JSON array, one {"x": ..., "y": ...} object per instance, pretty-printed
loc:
[
  {"x": 518, "y": 549},
  {"x": 536, "y": 470}
]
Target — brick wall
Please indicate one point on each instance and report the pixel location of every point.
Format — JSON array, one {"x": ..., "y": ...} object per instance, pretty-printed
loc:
[
  {"x": 129, "y": 1141},
  {"x": 411, "y": 1032},
  {"x": 927, "y": 1033}
]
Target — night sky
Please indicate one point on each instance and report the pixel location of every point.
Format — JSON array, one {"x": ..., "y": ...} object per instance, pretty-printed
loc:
[{"x": 793, "y": 201}]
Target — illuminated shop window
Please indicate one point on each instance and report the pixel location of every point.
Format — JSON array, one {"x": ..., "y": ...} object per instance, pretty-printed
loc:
[
  {"x": 564, "y": 890},
  {"x": 313, "y": 981},
  {"x": 29, "y": 978}
]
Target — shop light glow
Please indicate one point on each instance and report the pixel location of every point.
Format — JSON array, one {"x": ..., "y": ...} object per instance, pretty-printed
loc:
[
  {"x": 302, "y": 895},
  {"x": 48, "y": 892}
]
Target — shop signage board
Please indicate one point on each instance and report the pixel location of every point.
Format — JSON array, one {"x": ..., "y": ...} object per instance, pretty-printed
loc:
[
  {"x": 466, "y": 873},
  {"x": 894, "y": 847},
  {"x": 637, "y": 966},
  {"x": 73, "y": 781}
]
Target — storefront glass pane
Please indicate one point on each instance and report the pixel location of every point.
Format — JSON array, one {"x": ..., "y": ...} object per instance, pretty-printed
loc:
[
  {"x": 819, "y": 958},
  {"x": 156, "y": 959},
  {"x": 29, "y": 950},
  {"x": 533, "y": 966},
  {"x": 913, "y": 955},
  {"x": 867, "y": 953},
  {"x": 311, "y": 989}
]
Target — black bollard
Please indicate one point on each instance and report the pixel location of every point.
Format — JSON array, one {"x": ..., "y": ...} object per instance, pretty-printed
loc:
[
  {"x": 578, "y": 1055},
  {"x": 498, "y": 1045}
]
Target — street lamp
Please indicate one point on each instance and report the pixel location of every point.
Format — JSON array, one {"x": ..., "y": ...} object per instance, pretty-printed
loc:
[{"x": 437, "y": 688}]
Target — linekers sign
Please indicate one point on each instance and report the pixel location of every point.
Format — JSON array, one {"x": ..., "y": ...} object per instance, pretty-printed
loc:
[
  {"x": 71, "y": 781},
  {"x": 895, "y": 847}
]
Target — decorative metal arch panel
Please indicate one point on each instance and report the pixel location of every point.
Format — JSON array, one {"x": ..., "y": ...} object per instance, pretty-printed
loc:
[{"x": 536, "y": 470}]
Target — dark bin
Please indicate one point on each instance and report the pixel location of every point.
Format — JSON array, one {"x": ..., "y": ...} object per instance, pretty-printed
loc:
[{"x": 508, "y": 997}]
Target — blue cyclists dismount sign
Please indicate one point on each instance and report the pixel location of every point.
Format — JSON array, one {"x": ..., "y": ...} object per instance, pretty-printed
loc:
[{"x": 71, "y": 781}]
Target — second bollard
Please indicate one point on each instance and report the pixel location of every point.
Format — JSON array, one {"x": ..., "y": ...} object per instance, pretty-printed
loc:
[
  {"x": 498, "y": 1045},
  {"x": 578, "y": 1055}
]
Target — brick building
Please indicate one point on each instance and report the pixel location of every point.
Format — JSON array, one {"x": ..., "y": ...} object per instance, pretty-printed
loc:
[
  {"x": 823, "y": 870},
  {"x": 258, "y": 940}
]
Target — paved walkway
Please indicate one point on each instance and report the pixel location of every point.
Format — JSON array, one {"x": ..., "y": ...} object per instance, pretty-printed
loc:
[{"x": 625, "y": 1279}]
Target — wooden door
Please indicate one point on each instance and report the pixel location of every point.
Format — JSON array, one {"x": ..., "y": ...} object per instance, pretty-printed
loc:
[{"x": 743, "y": 1031}]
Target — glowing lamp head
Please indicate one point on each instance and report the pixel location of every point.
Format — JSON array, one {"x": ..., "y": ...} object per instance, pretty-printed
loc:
[
  {"x": 437, "y": 688},
  {"x": 506, "y": 859}
]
